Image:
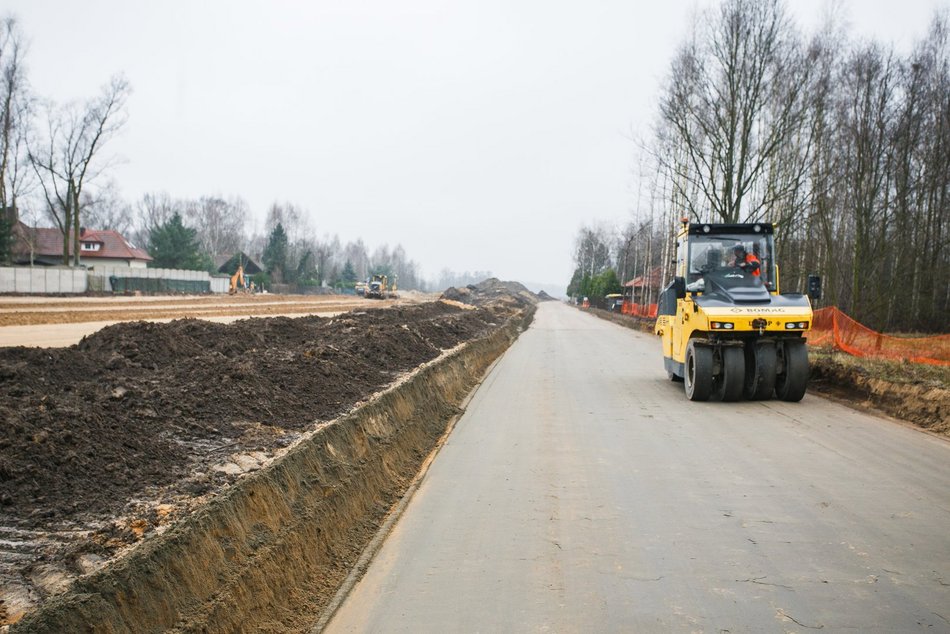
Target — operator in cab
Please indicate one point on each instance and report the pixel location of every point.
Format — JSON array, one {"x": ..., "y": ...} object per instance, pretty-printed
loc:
[{"x": 748, "y": 262}]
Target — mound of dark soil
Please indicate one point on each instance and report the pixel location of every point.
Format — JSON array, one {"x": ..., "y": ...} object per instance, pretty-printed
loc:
[{"x": 138, "y": 405}]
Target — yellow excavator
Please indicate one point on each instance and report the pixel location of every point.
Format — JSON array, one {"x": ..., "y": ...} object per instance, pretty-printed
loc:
[
  {"x": 726, "y": 329},
  {"x": 237, "y": 281}
]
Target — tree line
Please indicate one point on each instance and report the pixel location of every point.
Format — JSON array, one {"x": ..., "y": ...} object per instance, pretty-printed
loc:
[
  {"x": 54, "y": 170},
  {"x": 842, "y": 143},
  {"x": 184, "y": 233}
]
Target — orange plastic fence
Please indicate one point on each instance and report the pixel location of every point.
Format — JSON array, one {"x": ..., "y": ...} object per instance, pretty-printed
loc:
[
  {"x": 638, "y": 310},
  {"x": 832, "y": 327}
]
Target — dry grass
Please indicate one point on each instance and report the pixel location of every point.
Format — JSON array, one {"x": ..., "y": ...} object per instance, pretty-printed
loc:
[{"x": 901, "y": 372}]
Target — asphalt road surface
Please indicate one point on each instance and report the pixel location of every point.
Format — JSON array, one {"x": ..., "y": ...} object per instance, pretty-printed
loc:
[{"x": 582, "y": 492}]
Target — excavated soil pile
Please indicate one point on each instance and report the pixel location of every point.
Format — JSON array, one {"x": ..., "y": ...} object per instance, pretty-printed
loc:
[
  {"x": 18, "y": 311},
  {"x": 131, "y": 406},
  {"x": 99, "y": 436},
  {"x": 492, "y": 291}
]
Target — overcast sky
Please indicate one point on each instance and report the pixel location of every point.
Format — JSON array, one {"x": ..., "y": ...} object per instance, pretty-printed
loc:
[{"x": 478, "y": 134}]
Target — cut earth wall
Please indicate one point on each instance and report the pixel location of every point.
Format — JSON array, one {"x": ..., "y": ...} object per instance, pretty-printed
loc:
[{"x": 270, "y": 552}]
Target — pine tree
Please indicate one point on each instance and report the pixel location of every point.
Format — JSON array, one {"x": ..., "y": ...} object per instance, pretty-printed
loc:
[
  {"x": 275, "y": 254},
  {"x": 175, "y": 246},
  {"x": 348, "y": 275},
  {"x": 6, "y": 237}
]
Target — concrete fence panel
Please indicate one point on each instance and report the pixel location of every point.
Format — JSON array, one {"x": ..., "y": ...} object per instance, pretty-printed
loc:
[
  {"x": 7, "y": 280},
  {"x": 42, "y": 280},
  {"x": 58, "y": 279},
  {"x": 157, "y": 280},
  {"x": 51, "y": 281},
  {"x": 220, "y": 284},
  {"x": 22, "y": 281}
]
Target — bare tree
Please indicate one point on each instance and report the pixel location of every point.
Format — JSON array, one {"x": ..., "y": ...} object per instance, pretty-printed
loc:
[
  {"x": 843, "y": 144},
  {"x": 106, "y": 209},
  {"x": 405, "y": 270},
  {"x": 919, "y": 269},
  {"x": 735, "y": 100},
  {"x": 810, "y": 228},
  {"x": 592, "y": 250},
  {"x": 27, "y": 235},
  {"x": 14, "y": 112},
  {"x": 866, "y": 118},
  {"x": 220, "y": 223},
  {"x": 68, "y": 157},
  {"x": 327, "y": 258},
  {"x": 154, "y": 210},
  {"x": 381, "y": 260},
  {"x": 355, "y": 253},
  {"x": 301, "y": 246}
]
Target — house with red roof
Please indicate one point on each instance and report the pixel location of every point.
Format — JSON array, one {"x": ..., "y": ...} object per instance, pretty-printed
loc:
[
  {"x": 640, "y": 290},
  {"x": 42, "y": 246}
]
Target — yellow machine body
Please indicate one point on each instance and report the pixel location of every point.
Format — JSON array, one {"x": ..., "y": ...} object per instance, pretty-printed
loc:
[{"x": 726, "y": 329}]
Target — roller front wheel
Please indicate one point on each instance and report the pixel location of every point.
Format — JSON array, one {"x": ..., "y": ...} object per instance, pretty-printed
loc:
[{"x": 699, "y": 372}]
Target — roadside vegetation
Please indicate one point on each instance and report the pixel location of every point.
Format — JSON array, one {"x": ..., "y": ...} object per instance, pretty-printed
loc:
[{"x": 902, "y": 372}]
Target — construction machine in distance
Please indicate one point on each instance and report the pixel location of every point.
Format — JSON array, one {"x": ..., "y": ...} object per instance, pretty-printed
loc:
[
  {"x": 237, "y": 281},
  {"x": 727, "y": 331},
  {"x": 379, "y": 288}
]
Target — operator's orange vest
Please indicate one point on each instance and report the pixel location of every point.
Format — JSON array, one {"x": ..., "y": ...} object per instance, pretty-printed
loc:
[{"x": 750, "y": 257}]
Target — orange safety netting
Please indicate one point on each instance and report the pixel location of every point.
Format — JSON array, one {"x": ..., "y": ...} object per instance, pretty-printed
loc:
[
  {"x": 638, "y": 310},
  {"x": 831, "y": 327}
]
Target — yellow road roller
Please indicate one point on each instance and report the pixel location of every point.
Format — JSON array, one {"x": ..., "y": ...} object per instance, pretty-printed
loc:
[{"x": 727, "y": 330}]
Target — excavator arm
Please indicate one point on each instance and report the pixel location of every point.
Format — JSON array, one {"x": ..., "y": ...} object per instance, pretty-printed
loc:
[{"x": 237, "y": 281}]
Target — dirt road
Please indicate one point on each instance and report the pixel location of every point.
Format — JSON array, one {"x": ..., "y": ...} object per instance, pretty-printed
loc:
[{"x": 582, "y": 492}]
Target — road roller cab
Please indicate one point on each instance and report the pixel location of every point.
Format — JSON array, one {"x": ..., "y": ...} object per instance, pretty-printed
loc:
[{"x": 727, "y": 331}]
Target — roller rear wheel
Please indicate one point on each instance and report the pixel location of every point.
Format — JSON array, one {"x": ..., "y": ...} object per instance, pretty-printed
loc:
[
  {"x": 699, "y": 372},
  {"x": 791, "y": 382},
  {"x": 760, "y": 368},
  {"x": 727, "y": 386}
]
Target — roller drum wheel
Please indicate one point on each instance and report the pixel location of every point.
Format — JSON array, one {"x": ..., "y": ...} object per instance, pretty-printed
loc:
[
  {"x": 791, "y": 382},
  {"x": 699, "y": 372},
  {"x": 760, "y": 370},
  {"x": 727, "y": 386}
]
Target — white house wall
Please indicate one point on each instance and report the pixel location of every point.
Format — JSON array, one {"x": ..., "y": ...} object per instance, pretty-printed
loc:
[{"x": 94, "y": 264}]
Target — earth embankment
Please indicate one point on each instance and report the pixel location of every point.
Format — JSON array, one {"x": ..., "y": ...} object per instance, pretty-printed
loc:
[{"x": 190, "y": 475}]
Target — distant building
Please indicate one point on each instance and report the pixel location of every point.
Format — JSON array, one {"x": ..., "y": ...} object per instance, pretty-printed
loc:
[
  {"x": 44, "y": 247},
  {"x": 644, "y": 287},
  {"x": 228, "y": 263}
]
